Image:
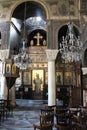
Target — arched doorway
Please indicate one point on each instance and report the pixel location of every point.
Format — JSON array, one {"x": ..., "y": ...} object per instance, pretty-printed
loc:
[
  {"x": 35, "y": 26},
  {"x": 68, "y": 75}
]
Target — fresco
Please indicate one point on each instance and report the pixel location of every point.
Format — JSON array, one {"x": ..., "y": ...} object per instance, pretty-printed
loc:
[{"x": 61, "y": 7}]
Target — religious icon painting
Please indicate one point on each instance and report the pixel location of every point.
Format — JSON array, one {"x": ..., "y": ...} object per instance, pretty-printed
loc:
[
  {"x": 37, "y": 80},
  {"x": 13, "y": 69},
  {"x": 59, "y": 78},
  {"x": 8, "y": 68},
  {"x": 67, "y": 78},
  {"x": 27, "y": 77}
]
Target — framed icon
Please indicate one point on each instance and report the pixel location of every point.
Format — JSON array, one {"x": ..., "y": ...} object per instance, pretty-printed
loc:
[
  {"x": 27, "y": 77},
  {"x": 37, "y": 80},
  {"x": 67, "y": 78},
  {"x": 59, "y": 78}
]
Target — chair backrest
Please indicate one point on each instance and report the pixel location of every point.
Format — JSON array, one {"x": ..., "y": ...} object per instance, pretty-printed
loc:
[
  {"x": 46, "y": 119},
  {"x": 51, "y": 107},
  {"x": 61, "y": 111},
  {"x": 80, "y": 119},
  {"x": 76, "y": 118},
  {"x": 46, "y": 111},
  {"x": 44, "y": 127}
]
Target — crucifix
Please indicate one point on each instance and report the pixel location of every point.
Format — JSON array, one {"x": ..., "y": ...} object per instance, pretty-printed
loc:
[{"x": 38, "y": 37}]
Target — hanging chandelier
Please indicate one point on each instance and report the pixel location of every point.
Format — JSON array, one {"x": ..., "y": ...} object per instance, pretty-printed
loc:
[
  {"x": 22, "y": 60},
  {"x": 71, "y": 46}
]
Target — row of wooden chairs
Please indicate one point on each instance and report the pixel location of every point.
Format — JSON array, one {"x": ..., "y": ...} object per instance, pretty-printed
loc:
[
  {"x": 4, "y": 110},
  {"x": 44, "y": 127},
  {"x": 57, "y": 126},
  {"x": 64, "y": 119},
  {"x": 47, "y": 120}
]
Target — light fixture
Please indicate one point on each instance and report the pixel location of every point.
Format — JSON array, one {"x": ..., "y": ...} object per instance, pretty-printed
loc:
[
  {"x": 22, "y": 60},
  {"x": 71, "y": 46}
]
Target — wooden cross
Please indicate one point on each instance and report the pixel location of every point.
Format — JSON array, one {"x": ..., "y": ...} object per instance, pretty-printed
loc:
[{"x": 38, "y": 37}]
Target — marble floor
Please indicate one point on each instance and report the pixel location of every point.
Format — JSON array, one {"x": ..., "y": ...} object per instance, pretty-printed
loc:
[{"x": 24, "y": 115}]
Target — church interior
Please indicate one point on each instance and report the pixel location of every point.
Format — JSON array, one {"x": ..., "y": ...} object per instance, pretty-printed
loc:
[{"x": 43, "y": 62}]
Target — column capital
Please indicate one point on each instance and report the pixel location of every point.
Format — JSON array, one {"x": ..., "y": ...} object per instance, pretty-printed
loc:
[
  {"x": 4, "y": 54},
  {"x": 51, "y": 54},
  {"x": 84, "y": 70}
]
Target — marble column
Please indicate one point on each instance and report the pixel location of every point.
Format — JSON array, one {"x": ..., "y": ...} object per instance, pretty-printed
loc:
[
  {"x": 51, "y": 56},
  {"x": 4, "y": 89},
  {"x": 4, "y": 54}
]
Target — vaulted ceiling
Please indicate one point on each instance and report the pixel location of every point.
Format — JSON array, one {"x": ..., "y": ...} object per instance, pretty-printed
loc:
[
  {"x": 22, "y": 15},
  {"x": 32, "y": 9}
]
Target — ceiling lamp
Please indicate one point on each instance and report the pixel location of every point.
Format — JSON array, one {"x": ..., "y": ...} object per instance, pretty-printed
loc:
[
  {"x": 22, "y": 60},
  {"x": 71, "y": 46}
]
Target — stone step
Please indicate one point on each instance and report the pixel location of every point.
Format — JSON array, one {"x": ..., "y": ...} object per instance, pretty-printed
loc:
[{"x": 27, "y": 103}]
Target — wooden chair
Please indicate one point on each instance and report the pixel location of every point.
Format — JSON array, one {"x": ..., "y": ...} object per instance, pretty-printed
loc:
[
  {"x": 3, "y": 109},
  {"x": 50, "y": 107},
  {"x": 75, "y": 112},
  {"x": 46, "y": 119},
  {"x": 47, "y": 111},
  {"x": 61, "y": 111},
  {"x": 62, "y": 115},
  {"x": 81, "y": 127},
  {"x": 80, "y": 119},
  {"x": 60, "y": 118},
  {"x": 9, "y": 106},
  {"x": 65, "y": 126},
  {"x": 44, "y": 127}
]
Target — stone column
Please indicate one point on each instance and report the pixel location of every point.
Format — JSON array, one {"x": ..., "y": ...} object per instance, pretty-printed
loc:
[
  {"x": 4, "y": 54},
  {"x": 4, "y": 89},
  {"x": 51, "y": 56}
]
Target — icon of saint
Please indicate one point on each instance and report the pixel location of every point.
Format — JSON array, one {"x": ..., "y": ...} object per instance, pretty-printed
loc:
[{"x": 37, "y": 82}]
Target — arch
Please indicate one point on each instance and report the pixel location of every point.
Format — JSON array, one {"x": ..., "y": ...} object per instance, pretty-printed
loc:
[
  {"x": 63, "y": 30},
  {"x": 43, "y": 4},
  {"x": 57, "y": 29},
  {"x": 34, "y": 33},
  {"x": 84, "y": 54}
]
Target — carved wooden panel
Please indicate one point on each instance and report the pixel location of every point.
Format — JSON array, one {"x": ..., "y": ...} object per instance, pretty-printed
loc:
[{"x": 83, "y": 6}]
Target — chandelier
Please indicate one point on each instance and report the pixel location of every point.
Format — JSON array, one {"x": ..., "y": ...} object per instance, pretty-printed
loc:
[
  {"x": 22, "y": 60},
  {"x": 71, "y": 46}
]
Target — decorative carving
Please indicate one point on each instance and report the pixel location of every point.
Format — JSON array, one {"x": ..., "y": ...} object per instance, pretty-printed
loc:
[
  {"x": 60, "y": 8},
  {"x": 38, "y": 37},
  {"x": 4, "y": 54},
  {"x": 44, "y": 42},
  {"x": 38, "y": 58},
  {"x": 31, "y": 42},
  {"x": 37, "y": 54},
  {"x": 51, "y": 54}
]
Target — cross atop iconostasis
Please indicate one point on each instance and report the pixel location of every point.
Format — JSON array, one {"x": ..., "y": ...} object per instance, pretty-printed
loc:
[{"x": 37, "y": 38}]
